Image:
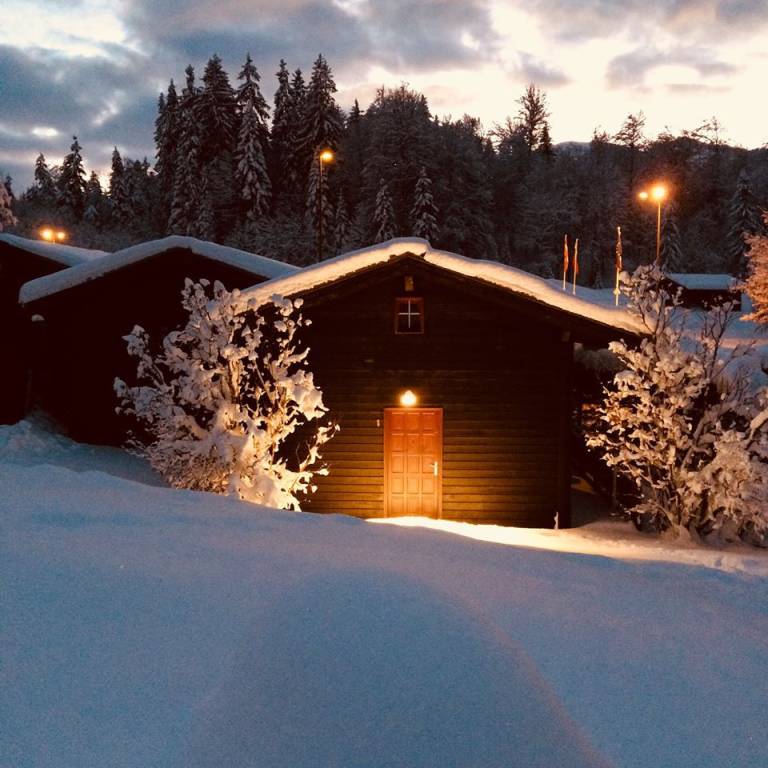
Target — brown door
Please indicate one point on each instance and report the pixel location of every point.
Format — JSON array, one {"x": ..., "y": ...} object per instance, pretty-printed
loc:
[{"x": 413, "y": 461}]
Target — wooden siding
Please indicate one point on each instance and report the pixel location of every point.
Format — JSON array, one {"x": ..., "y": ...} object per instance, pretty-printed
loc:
[
  {"x": 17, "y": 267},
  {"x": 499, "y": 373},
  {"x": 84, "y": 350}
]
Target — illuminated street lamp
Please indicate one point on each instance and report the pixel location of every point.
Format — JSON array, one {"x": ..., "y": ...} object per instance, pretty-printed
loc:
[
  {"x": 323, "y": 157},
  {"x": 53, "y": 235},
  {"x": 658, "y": 193}
]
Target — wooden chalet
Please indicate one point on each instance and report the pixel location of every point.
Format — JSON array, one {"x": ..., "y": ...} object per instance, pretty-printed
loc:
[
  {"x": 82, "y": 314},
  {"x": 22, "y": 260},
  {"x": 701, "y": 291},
  {"x": 451, "y": 381}
]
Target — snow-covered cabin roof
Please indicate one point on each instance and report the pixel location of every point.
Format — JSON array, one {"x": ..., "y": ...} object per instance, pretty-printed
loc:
[
  {"x": 67, "y": 255},
  {"x": 695, "y": 281},
  {"x": 492, "y": 272},
  {"x": 84, "y": 272}
]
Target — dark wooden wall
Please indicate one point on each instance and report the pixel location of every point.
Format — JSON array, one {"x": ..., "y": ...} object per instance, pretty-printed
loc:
[
  {"x": 17, "y": 267},
  {"x": 493, "y": 362},
  {"x": 84, "y": 351}
]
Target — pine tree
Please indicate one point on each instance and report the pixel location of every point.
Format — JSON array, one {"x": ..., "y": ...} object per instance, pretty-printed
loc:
[
  {"x": 743, "y": 219},
  {"x": 283, "y": 141},
  {"x": 44, "y": 189},
  {"x": 631, "y": 136},
  {"x": 671, "y": 246},
  {"x": 532, "y": 116},
  {"x": 424, "y": 211},
  {"x": 341, "y": 226},
  {"x": 203, "y": 225},
  {"x": 166, "y": 140},
  {"x": 253, "y": 184},
  {"x": 72, "y": 181},
  {"x": 249, "y": 91},
  {"x": 384, "y": 215},
  {"x": 94, "y": 199},
  {"x": 8, "y": 184},
  {"x": 545, "y": 148},
  {"x": 216, "y": 112},
  {"x": 119, "y": 189},
  {"x": 185, "y": 198},
  {"x": 322, "y": 119},
  {"x": 7, "y": 219}
]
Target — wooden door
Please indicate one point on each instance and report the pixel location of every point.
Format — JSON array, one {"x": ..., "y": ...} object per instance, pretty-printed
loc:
[{"x": 413, "y": 461}]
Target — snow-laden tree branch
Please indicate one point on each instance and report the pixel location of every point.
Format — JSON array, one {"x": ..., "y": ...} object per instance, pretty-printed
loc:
[
  {"x": 683, "y": 424},
  {"x": 228, "y": 404}
]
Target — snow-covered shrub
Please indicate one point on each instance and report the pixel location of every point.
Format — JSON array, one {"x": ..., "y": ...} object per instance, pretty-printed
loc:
[
  {"x": 228, "y": 404},
  {"x": 756, "y": 284},
  {"x": 682, "y": 424}
]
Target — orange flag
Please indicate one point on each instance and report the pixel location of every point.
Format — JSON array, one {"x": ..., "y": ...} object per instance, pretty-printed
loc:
[
  {"x": 618, "y": 249},
  {"x": 566, "y": 260},
  {"x": 575, "y": 262}
]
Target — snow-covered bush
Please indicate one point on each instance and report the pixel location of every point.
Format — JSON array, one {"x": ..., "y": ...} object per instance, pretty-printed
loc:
[
  {"x": 756, "y": 284},
  {"x": 228, "y": 404},
  {"x": 682, "y": 424}
]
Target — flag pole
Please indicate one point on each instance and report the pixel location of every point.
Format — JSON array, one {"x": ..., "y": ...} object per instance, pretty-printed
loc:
[
  {"x": 618, "y": 264},
  {"x": 566, "y": 260},
  {"x": 575, "y": 263}
]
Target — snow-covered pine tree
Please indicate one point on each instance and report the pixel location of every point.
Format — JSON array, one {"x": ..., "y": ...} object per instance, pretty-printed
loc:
[
  {"x": 185, "y": 199},
  {"x": 532, "y": 115},
  {"x": 7, "y": 219},
  {"x": 203, "y": 225},
  {"x": 94, "y": 199},
  {"x": 72, "y": 181},
  {"x": 166, "y": 140},
  {"x": 217, "y": 116},
  {"x": 671, "y": 247},
  {"x": 743, "y": 219},
  {"x": 424, "y": 211},
  {"x": 341, "y": 226},
  {"x": 44, "y": 189},
  {"x": 282, "y": 140},
  {"x": 253, "y": 184},
  {"x": 683, "y": 425},
  {"x": 249, "y": 91},
  {"x": 119, "y": 190},
  {"x": 756, "y": 284},
  {"x": 226, "y": 399},
  {"x": 384, "y": 215},
  {"x": 322, "y": 122}
]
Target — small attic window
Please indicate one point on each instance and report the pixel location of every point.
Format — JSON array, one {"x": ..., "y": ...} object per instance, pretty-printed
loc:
[{"x": 409, "y": 315}]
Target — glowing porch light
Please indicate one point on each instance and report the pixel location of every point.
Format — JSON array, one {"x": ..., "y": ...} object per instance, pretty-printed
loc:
[
  {"x": 408, "y": 398},
  {"x": 61, "y": 235},
  {"x": 47, "y": 234}
]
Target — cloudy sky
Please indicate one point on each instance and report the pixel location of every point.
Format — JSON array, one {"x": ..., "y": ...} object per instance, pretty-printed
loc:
[{"x": 95, "y": 67}]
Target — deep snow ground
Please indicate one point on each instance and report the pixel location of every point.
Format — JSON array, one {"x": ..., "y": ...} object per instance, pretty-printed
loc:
[{"x": 143, "y": 626}]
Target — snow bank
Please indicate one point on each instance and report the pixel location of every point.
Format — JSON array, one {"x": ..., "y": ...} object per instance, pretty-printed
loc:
[
  {"x": 249, "y": 262},
  {"x": 492, "y": 272},
  {"x": 146, "y": 626},
  {"x": 68, "y": 255}
]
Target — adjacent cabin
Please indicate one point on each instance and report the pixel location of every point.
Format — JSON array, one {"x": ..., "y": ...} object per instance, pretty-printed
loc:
[
  {"x": 451, "y": 380},
  {"x": 22, "y": 260},
  {"x": 82, "y": 314},
  {"x": 700, "y": 291}
]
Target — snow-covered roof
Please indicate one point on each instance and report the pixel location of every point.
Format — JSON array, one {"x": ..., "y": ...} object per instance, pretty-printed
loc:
[
  {"x": 695, "y": 281},
  {"x": 492, "y": 272},
  {"x": 84, "y": 272},
  {"x": 67, "y": 255}
]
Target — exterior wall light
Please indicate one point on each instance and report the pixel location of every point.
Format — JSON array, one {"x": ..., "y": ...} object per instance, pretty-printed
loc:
[{"x": 408, "y": 398}]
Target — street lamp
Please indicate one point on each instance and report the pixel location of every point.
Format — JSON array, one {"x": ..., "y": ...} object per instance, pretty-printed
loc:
[
  {"x": 658, "y": 193},
  {"x": 323, "y": 157},
  {"x": 53, "y": 235}
]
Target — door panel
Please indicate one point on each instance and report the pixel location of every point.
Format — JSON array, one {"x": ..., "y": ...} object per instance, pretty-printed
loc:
[{"x": 413, "y": 461}]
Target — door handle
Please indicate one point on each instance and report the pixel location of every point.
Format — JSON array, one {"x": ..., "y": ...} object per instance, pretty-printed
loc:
[{"x": 434, "y": 467}]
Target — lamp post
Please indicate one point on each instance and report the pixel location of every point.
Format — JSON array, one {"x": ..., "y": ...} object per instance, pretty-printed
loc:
[
  {"x": 658, "y": 193},
  {"x": 323, "y": 157}
]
